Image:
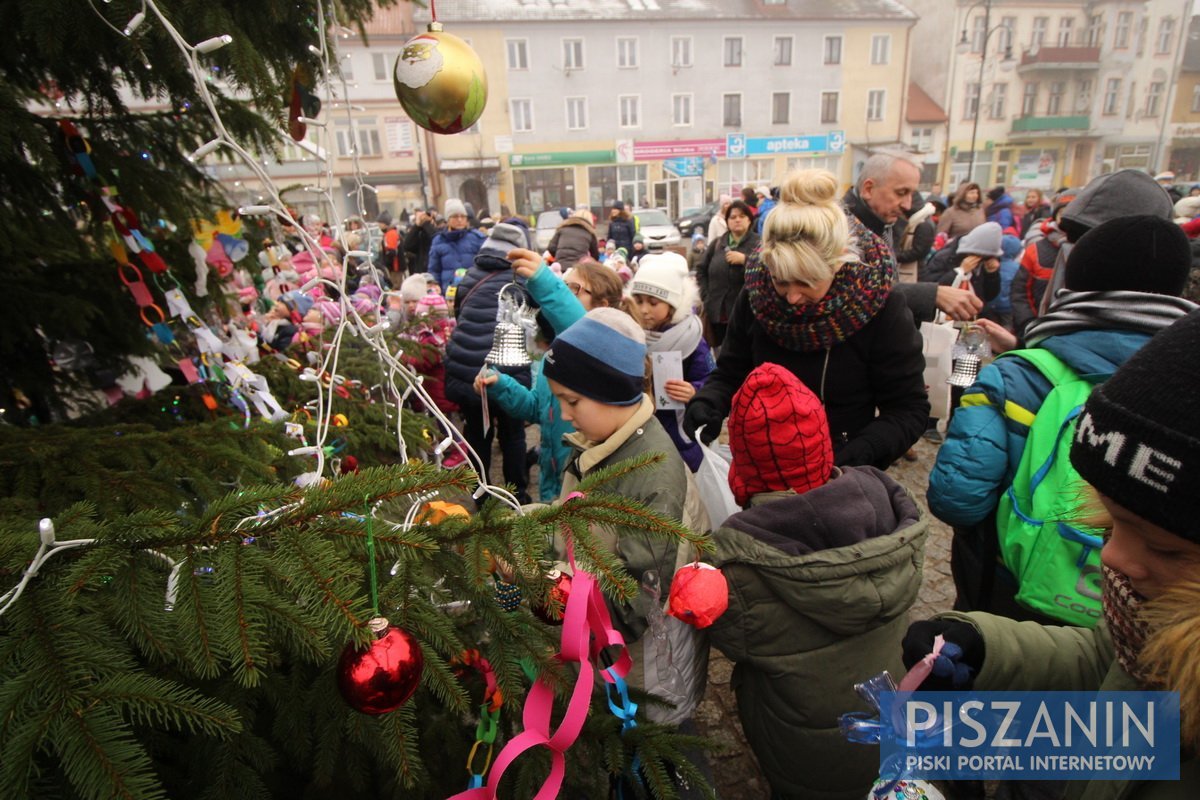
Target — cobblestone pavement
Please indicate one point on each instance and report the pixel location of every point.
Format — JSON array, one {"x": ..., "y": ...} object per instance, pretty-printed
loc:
[{"x": 736, "y": 771}]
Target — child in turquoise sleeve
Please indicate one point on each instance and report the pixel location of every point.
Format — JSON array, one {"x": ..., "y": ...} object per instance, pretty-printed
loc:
[{"x": 563, "y": 301}]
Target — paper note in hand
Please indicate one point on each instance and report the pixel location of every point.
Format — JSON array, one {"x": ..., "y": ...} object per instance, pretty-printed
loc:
[{"x": 666, "y": 366}]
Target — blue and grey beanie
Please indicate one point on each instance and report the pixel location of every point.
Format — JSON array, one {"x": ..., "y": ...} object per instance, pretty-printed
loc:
[{"x": 602, "y": 356}]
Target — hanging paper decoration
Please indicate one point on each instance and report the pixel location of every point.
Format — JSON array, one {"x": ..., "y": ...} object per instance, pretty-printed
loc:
[
  {"x": 699, "y": 594},
  {"x": 302, "y": 102},
  {"x": 440, "y": 81}
]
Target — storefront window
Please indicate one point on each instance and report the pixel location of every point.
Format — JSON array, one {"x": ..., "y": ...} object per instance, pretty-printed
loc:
[
  {"x": 626, "y": 182},
  {"x": 734, "y": 174},
  {"x": 540, "y": 190}
]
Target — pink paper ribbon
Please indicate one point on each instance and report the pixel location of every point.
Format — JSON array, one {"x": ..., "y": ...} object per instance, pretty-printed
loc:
[{"x": 920, "y": 670}]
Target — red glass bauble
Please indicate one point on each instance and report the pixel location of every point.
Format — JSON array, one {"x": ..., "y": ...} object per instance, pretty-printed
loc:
[
  {"x": 380, "y": 677},
  {"x": 560, "y": 591}
]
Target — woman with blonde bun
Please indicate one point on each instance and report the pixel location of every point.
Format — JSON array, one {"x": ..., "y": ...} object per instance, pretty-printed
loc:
[{"x": 818, "y": 301}]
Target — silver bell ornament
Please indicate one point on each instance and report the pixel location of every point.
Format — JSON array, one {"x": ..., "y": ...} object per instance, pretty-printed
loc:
[
  {"x": 514, "y": 324},
  {"x": 966, "y": 370}
]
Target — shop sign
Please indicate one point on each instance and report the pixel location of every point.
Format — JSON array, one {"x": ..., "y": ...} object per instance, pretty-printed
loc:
[
  {"x": 657, "y": 151},
  {"x": 834, "y": 142},
  {"x": 558, "y": 159}
]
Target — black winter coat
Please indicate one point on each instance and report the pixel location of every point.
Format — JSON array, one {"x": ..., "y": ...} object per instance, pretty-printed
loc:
[
  {"x": 574, "y": 241},
  {"x": 621, "y": 232},
  {"x": 721, "y": 282},
  {"x": 940, "y": 270},
  {"x": 417, "y": 241},
  {"x": 879, "y": 367},
  {"x": 476, "y": 306}
]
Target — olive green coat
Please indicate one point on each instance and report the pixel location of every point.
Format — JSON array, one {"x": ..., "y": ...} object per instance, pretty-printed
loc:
[{"x": 819, "y": 589}]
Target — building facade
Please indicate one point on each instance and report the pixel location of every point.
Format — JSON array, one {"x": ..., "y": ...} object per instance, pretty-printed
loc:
[{"x": 1052, "y": 93}]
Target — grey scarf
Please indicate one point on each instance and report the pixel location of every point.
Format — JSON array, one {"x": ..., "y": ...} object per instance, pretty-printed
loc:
[
  {"x": 683, "y": 336},
  {"x": 1127, "y": 311}
]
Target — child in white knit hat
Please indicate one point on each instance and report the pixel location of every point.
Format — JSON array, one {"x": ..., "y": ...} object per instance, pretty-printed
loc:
[{"x": 665, "y": 299}]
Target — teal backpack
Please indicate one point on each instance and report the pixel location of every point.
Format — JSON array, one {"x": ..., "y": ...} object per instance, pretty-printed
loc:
[{"x": 1057, "y": 565}]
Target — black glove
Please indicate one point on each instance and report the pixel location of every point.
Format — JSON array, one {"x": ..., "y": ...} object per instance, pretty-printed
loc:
[
  {"x": 700, "y": 414},
  {"x": 961, "y": 658}
]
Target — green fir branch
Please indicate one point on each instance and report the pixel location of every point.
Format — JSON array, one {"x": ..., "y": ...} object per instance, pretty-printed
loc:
[{"x": 166, "y": 704}]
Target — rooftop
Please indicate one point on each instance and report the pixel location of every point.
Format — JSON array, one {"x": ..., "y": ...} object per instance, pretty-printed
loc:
[
  {"x": 481, "y": 11},
  {"x": 922, "y": 107}
]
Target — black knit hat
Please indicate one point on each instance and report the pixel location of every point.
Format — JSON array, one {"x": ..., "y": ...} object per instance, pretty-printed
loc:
[
  {"x": 1138, "y": 254},
  {"x": 996, "y": 193},
  {"x": 1138, "y": 438}
]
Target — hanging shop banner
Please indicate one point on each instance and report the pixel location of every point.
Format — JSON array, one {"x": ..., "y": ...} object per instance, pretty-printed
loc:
[
  {"x": 834, "y": 142},
  {"x": 689, "y": 167}
]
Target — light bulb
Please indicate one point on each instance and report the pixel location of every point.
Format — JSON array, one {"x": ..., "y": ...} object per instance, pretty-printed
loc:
[
  {"x": 133, "y": 24},
  {"x": 255, "y": 211},
  {"x": 204, "y": 150},
  {"x": 215, "y": 43}
]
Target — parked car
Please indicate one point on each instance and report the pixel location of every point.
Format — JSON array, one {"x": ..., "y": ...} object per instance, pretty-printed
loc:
[
  {"x": 695, "y": 218},
  {"x": 547, "y": 224},
  {"x": 655, "y": 227}
]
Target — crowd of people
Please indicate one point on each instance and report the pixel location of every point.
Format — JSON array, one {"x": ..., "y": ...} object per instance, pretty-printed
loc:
[{"x": 793, "y": 326}]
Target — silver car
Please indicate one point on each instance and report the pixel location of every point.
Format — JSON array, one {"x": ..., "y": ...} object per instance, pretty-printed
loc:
[
  {"x": 547, "y": 224},
  {"x": 656, "y": 227}
]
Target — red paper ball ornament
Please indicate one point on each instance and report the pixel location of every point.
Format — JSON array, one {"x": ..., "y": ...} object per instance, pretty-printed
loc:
[
  {"x": 382, "y": 676},
  {"x": 560, "y": 591},
  {"x": 699, "y": 594}
]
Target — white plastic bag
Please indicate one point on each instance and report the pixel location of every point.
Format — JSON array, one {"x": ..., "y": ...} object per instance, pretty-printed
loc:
[
  {"x": 712, "y": 480},
  {"x": 938, "y": 344}
]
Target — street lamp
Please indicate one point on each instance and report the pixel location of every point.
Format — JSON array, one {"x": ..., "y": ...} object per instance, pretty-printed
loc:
[{"x": 1006, "y": 65}]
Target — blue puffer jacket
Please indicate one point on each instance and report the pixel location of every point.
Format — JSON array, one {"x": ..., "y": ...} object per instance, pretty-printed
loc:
[
  {"x": 1009, "y": 264},
  {"x": 477, "y": 306},
  {"x": 453, "y": 250},
  {"x": 1000, "y": 211},
  {"x": 539, "y": 405},
  {"x": 987, "y": 435}
]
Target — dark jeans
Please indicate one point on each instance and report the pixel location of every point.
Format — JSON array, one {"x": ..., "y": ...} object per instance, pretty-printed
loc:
[{"x": 511, "y": 433}]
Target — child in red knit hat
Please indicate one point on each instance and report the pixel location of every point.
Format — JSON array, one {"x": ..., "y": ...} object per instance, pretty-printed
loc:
[{"x": 822, "y": 568}]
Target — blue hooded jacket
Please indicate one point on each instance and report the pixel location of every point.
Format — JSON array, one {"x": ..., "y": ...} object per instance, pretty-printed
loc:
[
  {"x": 1001, "y": 211},
  {"x": 1010, "y": 262},
  {"x": 452, "y": 251},
  {"x": 987, "y": 434}
]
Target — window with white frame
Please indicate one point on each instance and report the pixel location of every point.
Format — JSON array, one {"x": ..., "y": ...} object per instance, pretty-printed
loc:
[
  {"x": 783, "y": 51},
  {"x": 576, "y": 113},
  {"x": 999, "y": 101},
  {"x": 1029, "y": 99},
  {"x": 1066, "y": 27},
  {"x": 681, "y": 51},
  {"x": 921, "y": 140},
  {"x": 734, "y": 174},
  {"x": 347, "y": 66},
  {"x": 829, "y": 108},
  {"x": 781, "y": 108},
  {"x": 1166, "y": 33},
  {"x": 359, "y": 137},
  {"x": 572, "y": 53},
  {"x": 971, "y": 100},
  {"x": 1143, "y": 32},
  {"x": 731, "y": 105},
  {"x": 733, "y": 51},
  {"x": 1129, "y": 106},
  {"x": 627, "y": 52},
  {"x": 1006, "y": 34},
  {"x": 1083, "y": 95},
  {"x": 876, "y": 104},
  {"x": 1196, "y": 99},
  {"x": 1154, "y": 93},
  {"x": 681, "y": 110},
  {"x": 881, "y": 48},
  {"x": 1124, "y": 26},
  {"x": 831, "y": 163},
  {"x": 1095, "y": 30},
  {"x": 629, "y": 110},
  {"x": 522, "y": 114},
  {"x": 978, "y": 33},
  {"x": 833, "y": 50},
  {"x": 518, "y": 53},
  {"x": 1112, "y": 96},
  {"x": 1058, "y": 90},
  {"x": 382, "y": 64},
  {"x": 1038, "y": 38}
]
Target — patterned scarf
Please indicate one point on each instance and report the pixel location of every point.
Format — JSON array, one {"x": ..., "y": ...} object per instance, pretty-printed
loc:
[
  {"x": 859, "y": 290},
  {"x": 1122, "y": 607}
]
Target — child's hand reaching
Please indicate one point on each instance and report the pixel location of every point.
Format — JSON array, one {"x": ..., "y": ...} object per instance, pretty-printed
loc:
[
  {"x": 483, "y": 380},
  {"x": 681, "y": 391},
  {"x": 525, "y": 262}
]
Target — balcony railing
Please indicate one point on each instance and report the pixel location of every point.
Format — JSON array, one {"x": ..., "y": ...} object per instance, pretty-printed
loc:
[
  {"x": 1060, "y": 58},
  {"x": 1079, "y": 122}
]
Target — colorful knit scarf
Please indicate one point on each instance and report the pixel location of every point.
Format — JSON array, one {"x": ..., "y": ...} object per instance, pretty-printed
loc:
[{"x": 859, "y": 290}]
